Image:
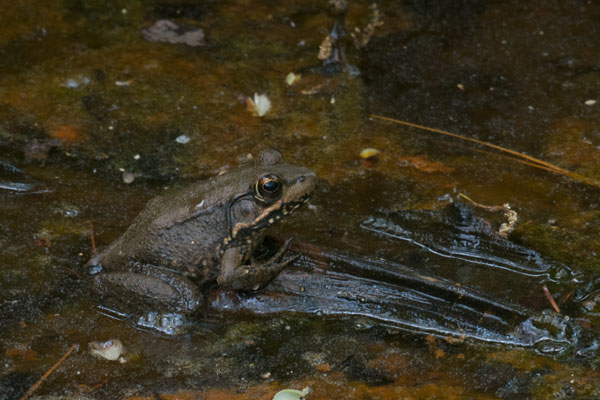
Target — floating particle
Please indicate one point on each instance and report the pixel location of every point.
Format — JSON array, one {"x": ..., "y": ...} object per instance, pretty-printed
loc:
[
  {"x": 369, "y": 152},
  {"x": 182, "y": 139},
  {"x": 128, "y": 177},
  {"x": 260, "y": 105},
  {"x": 292, "y": 78},
  {"x": 109, "y": 350}
]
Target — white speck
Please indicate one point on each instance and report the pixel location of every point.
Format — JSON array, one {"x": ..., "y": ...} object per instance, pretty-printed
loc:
[
  {"x": 123, "y": 83},
  {"x": 332, "y": 101},
  {"x": 266, "y": 375},
  {"x": 530, "y": 108},
  {"x": 124, "y": 11},
  {"x": 137, "y": 157},
  {"x": 71, "y": 213},
  {"x": 128, "y": 177},
  {"x": 199, "y": 205},
  {"x": 291, "y": 78},
  {"x": 70, "y": 83},
  {"x": 110, "y": 128},
  {"x": 590, "y": 102},
  {"x": 302, "y": 43},
  {"x": 262, "y": 104},
  {"x": 73, "y": 83},
  {"x": 182, "y": 139},
  {"x": 504, "y": 42},
  {"x": 292, "y": 24}
]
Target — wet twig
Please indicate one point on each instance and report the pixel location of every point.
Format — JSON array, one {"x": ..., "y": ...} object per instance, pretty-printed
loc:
[
  {"x": 92, "y": 237},
  {"x": 47, "y": 374},
  {"x": 511, "y": 215},
  {"x": 550, "y": 298},
  {"x": 72, "y": 272}
]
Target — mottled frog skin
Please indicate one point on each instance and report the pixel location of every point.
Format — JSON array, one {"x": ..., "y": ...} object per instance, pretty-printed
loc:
[{"x": 207, "y": 231}]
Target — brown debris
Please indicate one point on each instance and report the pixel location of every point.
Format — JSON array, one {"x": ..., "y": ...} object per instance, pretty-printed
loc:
[
  {"x": 166, "y": 31},
  {"x": 66, "y": 133},
  {"x": 43, "y": 242},
  {"x": 362, "y": 37},
  {"x": 24, "y": 354},
  {"x": 422, "y": 163},
  {"x": 325, "y": 48},
  {"x": 511, "y": 215},
  {"x": 39, "y": 149}
]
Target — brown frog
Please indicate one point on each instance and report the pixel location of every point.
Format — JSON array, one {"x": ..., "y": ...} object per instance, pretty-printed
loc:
[{"x": 202, "y": 233}]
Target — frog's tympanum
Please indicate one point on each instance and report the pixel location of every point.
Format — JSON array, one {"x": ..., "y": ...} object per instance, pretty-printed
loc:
[{"x": 205, "y": 232}]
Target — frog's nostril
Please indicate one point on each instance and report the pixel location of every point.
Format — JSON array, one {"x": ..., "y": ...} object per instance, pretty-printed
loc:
[{"x": 301, "y": 179}]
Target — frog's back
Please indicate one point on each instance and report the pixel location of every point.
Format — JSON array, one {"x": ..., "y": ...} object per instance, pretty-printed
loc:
[{"x": 180, "y": 229}]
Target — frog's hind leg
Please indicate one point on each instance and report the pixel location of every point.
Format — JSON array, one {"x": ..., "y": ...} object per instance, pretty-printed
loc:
[
  {"x": 235, "y": 274},
  {"x": 150, "y": 288}
]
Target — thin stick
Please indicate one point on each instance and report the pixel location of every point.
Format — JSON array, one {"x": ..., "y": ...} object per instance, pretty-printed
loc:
[
  {"x": 539, "y": 163},
  {"x": 47, "y": 374},
  {"x": 92, "y": 236},
  {"x": 550, "y": 298},
  {"x": 515, "y": 159},
  {"x": 476, "y": 204},
  {"x": 72, "y": 272},
  {"x": 566, "y": 298}
]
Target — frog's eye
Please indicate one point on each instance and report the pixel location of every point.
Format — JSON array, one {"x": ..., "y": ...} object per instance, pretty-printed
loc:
[{"x": 268, "y": 188}]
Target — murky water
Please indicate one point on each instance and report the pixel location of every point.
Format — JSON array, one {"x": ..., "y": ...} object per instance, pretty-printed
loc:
[{"x": 89, "y": 100}]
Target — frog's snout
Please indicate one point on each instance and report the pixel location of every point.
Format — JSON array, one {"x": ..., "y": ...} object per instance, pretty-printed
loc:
[{"x": 308, "y": 181}]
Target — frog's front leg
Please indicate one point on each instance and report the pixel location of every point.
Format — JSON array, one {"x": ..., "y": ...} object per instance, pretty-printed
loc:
[
  {"x": 235, "y": 274},
  {"x": 148, "y": 285}
]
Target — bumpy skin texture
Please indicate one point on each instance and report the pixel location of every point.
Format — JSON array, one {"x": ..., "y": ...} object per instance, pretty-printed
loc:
[{"x": 201, "y": 233}]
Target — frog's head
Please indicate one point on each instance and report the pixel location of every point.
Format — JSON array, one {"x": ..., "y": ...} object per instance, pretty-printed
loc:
[{"x": 276, "y": 191}]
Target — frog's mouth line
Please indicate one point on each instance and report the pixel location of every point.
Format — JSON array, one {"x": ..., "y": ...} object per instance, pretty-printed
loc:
[{"x": 268, "y": 217}]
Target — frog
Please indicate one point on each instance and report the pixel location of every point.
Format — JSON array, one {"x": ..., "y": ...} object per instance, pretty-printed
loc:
[{"x": 203, "y": 234}]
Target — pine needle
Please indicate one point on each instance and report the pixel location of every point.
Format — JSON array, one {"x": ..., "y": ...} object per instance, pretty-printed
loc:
[
  {"x": 47, "y": 374},
  {"x": 528, "y": 160}
]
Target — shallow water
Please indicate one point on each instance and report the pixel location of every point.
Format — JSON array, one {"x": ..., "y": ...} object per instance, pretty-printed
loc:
[{"x": 86, "y": 100}]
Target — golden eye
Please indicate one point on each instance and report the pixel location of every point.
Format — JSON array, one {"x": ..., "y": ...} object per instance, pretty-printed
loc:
[{"x": 268, "y": 188}]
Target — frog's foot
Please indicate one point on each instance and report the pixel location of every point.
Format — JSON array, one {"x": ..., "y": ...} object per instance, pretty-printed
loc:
[
  {"x": 166, "y": 323},
  {"x": 236, "y": 275},
  {"x": 276, "y": 258}
]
